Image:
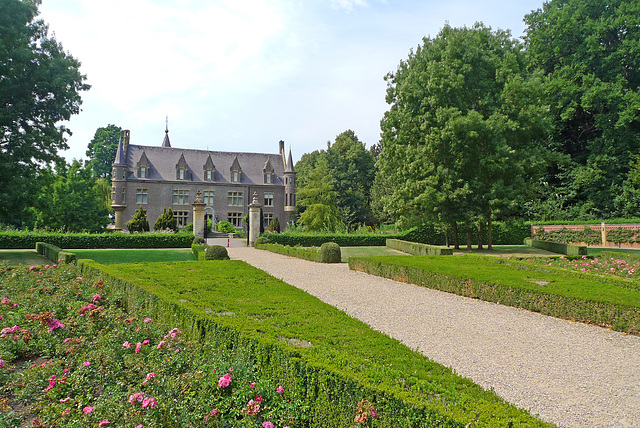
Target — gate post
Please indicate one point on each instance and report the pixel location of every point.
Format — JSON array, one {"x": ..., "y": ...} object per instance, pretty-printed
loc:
[{"x": 254, "y": 220}]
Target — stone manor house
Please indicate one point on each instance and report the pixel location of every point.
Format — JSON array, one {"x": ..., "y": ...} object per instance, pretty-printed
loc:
[{"x": 157, "y": 177}]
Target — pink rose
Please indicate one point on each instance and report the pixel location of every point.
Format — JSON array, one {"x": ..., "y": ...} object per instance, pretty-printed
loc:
[
  {"x": 224, "y": 381},
  {"x": 88, "y": 409}
]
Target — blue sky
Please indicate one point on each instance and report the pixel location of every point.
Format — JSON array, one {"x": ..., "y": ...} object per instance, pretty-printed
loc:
[{"x": 241, "y": 75}]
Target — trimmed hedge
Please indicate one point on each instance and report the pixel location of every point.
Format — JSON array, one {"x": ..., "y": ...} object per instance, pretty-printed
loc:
[
  {"x": 557, "y": 247},
  {"x": 311, "y": 254},
  {"x": 198, "y": 251},
  {"x": 629, "y": 258},
  {"x": 16, "y": 240},
  {"x": 418, "y": 249},
  {"x": 55, "y": 254},
  {"x": 329, "y": 253},
  {"x": 550, "y": 292},
  {"x": 294, "y": 337},
  {"x": 504, "y": 233}
]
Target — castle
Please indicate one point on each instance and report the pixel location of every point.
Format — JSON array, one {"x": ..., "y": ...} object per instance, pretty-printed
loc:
[{"x": 157, "y": 177}]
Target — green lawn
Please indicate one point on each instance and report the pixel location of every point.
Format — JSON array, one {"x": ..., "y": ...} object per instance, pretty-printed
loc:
[
  {"x": 347, "y": 252},
  {"x": 22, "y": 257},
  {"x": 147, "y": 255}
]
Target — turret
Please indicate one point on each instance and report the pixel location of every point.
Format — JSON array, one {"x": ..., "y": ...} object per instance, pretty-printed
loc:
[
  {"x": 289, "y": 186},
  {"x": 119, "y": 179}
]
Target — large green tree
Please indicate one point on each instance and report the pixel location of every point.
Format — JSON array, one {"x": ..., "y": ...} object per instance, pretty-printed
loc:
[
  {"x": 69, "y": 200},
  {"x": 40, "y": 86},
  {"x": 589, "y": 51},
  {"x": 466, "y": 131},
  {"x": 101, "y": 151},
  {"x": 317, "y": 199}
]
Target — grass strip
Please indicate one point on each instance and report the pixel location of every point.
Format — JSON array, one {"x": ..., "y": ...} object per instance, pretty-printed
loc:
[
  {"x": 550, "y": 292},
  {"x": 330, "y": 358},
  {"x": 117, "y": 256}
]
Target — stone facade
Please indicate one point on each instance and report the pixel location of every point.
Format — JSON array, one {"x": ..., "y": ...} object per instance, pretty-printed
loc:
[{"x": 155, "y": 177}]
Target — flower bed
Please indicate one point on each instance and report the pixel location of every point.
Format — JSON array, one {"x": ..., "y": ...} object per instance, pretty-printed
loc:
[{"x": 70, "y": 356}]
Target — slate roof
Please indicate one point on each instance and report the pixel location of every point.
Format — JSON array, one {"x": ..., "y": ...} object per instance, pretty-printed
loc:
[{"x": 163, "y": 161}]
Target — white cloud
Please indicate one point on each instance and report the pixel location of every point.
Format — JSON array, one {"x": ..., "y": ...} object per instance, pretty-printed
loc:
[{"x": 347, "y": 4}]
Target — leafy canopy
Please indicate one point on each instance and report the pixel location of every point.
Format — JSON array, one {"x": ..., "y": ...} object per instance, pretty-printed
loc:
[{"x": 40, "y": 86}]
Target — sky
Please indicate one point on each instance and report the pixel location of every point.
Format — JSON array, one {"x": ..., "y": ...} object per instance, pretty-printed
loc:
[{"x": 241, "y": 75}]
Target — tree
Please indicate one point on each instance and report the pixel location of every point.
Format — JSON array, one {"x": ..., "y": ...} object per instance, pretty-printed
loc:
[
  {"x": 353, "y": 171},
  {"x": 40, "y": 86},
  {"x": 102, "y": 149},
  {"x": 139, "y": 222},
  {"x": 466, "y": 131},
  {"x": 166, "y": 221},
  {"x": 317, "y": 200},
  {"x": 69, "y": 200},
  {"x": 589, "y": 51}
]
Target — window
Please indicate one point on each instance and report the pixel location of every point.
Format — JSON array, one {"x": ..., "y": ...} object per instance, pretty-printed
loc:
[
  {"x": 267, "y": 219},
  {"x": 234, "y": 199},
  {"x": 208, "y": 175},
  {"x": 124, "y": 194},
  {"x": 267, "y": 178},
  {"x": 141, "y": 196},
  {"x": 143, "y": 172},
  {"x": 268, "y": 199},
  {"x": 180, "y": 197},
  {"x": 182, "y": 217},
  {"x": 208, "y": 197},
  {"x": 235, "y": 176},
  {"x": 182, "y": 173},
  {"x": 235, "y": 219}
]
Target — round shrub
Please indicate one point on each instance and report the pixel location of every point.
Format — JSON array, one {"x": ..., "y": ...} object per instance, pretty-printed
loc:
[
  {"x": 330, "y": 253},
  {"x": 199, "y": 240},
  {"x": 216, "y": 252}
]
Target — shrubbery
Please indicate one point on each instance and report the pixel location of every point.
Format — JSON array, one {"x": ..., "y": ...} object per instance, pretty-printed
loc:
[
  {"x": 216, "y": 252},
  {"x": 329, "y": 253},
  {"x": 139, "y": 222},
  {"x": 16, "y": 240},
  {"x": 166, "y": 221},
  {"x": 225, "y": 227}
]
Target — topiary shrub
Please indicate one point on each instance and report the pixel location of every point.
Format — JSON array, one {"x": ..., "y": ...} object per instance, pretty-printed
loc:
[
  {"x": 166, "y": 221},
  {"x": 330, "y": 253},
  {"x": 139, "y": 222},
  {"x": 199, "y": 240},
  {"x": 274, "y": 226},
  {"x": 216, "y": 252}
]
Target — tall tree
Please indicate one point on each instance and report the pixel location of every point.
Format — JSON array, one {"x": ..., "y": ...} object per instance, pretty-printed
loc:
[
  {"x": 101, "y": 151},
  {"x": 70, "y": 200},
  {"x": 317, "y": 200},
  {"x": 353, "y": 170},
  {"x": 589, "y": 51},
  {"x": 40, "y": 85},
  {"x": 466, "y": 129}
]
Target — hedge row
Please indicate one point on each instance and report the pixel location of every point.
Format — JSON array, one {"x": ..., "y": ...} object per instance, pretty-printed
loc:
[
  {"x": 557, "y": 247},
  {"x": 418, "y": 249},
  {"x": 499, "y": 280},
  {"x": 503, "y": 233},
  {"x": 328, "y": 252},
  {"x": 55, "y": 254},
  {"x": 294, "y": 338},
  {"x": 9, "y": 240},
  {"x": 198, "y": 251}
]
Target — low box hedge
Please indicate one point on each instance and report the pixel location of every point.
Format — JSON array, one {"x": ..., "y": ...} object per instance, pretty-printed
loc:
[
  {"x": 198, "y": 251},
  {"x": 310, "y": 254},
  {"x": 325, "y": 359},
  {"x": 24, "y": 240},
  {"x": 418, "y": 249},
  {"x": 576, "y": 297},
  {"x": 55, "y": 254},
  {"x": 557, "y": 247}
]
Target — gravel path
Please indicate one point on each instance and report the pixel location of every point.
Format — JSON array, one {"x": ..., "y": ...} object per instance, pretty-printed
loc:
[{"x": 571, "y": 374}]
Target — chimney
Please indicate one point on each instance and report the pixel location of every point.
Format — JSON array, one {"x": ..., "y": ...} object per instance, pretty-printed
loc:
[{"x": 127, "y": 138}]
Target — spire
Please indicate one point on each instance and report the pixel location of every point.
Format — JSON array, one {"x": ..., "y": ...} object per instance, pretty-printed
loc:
[
  {"x": 166, "y": 142},
  {"x": 290, "y": 163},
  {"x": 120, "y": 158}
]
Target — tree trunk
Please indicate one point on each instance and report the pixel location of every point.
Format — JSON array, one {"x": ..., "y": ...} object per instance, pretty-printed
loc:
[
  {"x": 446, "y": 239},
  {"x": 456, "y": 241},
  {"x": 480, "y": 236},
  {"x": 489, "y": 230},
  {"x": 469, "y": 240}
]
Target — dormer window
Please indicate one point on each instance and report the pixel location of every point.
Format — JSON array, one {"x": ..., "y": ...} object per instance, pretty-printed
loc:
[
  {"x": 235, "y": 176},
  {"x": 236, "y": 171},
  {"x": 143, "y": 166},
  {"x": 182, "y": 169},
  {"x": 267, "y": 178},
  {"x": 209, "y": 169},
  {"x": 267, "y": 170}
]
